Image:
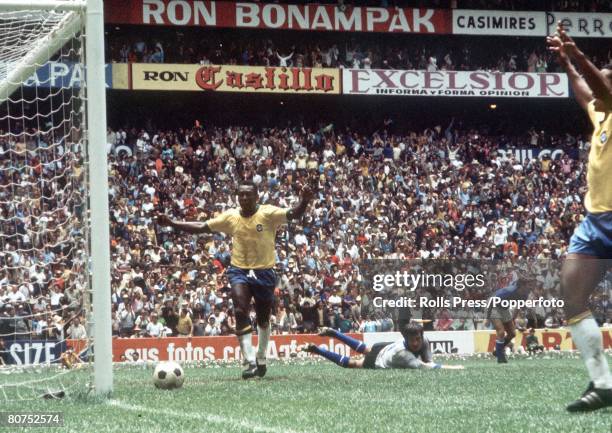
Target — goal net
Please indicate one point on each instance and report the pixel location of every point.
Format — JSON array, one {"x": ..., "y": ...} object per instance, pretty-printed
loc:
[{"x": 46, "y": 330}]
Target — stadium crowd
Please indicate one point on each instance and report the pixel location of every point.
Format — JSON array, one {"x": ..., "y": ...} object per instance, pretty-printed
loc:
[
  {"x": 196, "y": 46},
  {"x": 438, "y": 193},
  {"x": 43, "y": 260},
  {"x": 444, "y": 192}
]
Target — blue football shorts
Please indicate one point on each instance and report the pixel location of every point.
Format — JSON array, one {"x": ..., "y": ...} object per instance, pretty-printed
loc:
[
  {"x": 593, "y": 237},
  {"x": 261, "y": 282}
]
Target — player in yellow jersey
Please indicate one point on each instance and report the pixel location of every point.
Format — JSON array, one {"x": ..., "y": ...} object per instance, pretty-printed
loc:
[
  {"x": 252, "y": 228},
  {"x": 591, "y": 243},
  {"x": 70, "y": 359}
]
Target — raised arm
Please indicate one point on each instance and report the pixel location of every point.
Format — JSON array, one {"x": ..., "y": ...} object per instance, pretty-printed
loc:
[
  {"x": 306, "y": 196},
  {"x": 185, "y": 226},
  {"x": 594, "y": 80},
  {"x": 581, "y": 89}
]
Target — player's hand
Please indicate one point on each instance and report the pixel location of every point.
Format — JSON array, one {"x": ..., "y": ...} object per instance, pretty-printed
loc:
[
  {"x": 555, "y": 45},
  {"x": 562, "y": 44},
  {"x": 164, "y": 220},
  {"x": 562, "y": 33},
  {"x": 307, "y": 193},
  {"x": 309, "y": 190},
  {"x": 569, "y": 46}
]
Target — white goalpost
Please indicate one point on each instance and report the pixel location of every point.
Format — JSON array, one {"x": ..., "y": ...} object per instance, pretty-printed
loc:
[
  {"x": 100, "y": 244},
  {"x": 53, "y": 193}
]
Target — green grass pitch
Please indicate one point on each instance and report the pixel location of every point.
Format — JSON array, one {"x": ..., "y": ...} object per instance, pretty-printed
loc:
[{"x": 526, "y": 395}]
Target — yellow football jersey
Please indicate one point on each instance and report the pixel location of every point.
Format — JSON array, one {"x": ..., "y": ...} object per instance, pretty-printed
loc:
[
  {"x": 253, "y": 237},
  {"x": 69, "y": 359},
  {"x": 599, "y": 174}
]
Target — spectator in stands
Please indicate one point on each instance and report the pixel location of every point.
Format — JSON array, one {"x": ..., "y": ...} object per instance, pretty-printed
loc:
[
  {"x": 387, "y": 194},
  {"x": 158, "y": 54},
  {"x": 77, "y": 331},
  {"x": 154, "y": 328},
  {"x": 444, "y": 320},
  {"x": 212, "y": 328},
  {"x": 284, "y": 61},
  {"x": 334, "y": 50},
  {"x": 184, "y": 326},
  {"x": 532, "y": 343}
]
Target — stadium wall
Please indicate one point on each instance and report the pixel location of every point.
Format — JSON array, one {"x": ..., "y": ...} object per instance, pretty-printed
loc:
[
  {"x": 226, "y": 348},
  {"x": 223, "y": 348},
  {"x": 303, "y": 81}
]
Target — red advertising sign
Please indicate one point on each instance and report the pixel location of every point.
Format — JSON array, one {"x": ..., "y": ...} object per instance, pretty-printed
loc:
[
  {"x": 231, "y": 78},
  {"x": 277, "y": 16},
  {"x": 183, "y": 349}
]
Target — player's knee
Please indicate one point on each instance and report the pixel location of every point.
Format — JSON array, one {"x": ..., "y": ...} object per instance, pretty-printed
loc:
[
  {"x": 240, "y": 312},
  {"x": 243, "y": 324},
  {"x": 575, "y": 301},
  {"x": 574, "y": 312},
  {"x": 242, "y": 318}
]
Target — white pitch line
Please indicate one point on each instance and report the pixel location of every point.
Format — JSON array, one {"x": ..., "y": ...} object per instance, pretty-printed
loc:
[{"x": 213, "y": 419}]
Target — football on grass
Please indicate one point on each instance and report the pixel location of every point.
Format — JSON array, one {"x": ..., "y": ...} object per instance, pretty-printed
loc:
[{"x": 168, "y": 375}]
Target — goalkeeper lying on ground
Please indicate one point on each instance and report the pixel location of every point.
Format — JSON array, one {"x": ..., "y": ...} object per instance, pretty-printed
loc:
[{"x": 412, "y": 351}]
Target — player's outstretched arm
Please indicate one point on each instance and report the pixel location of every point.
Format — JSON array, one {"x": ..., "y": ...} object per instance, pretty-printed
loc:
[
  {"x": 582, "y": 92},
  {"x": 596, "y": 80},
  {"x": 306, "y": 196},
  {"x": 186, "y": 226},
  {"x": 408, "y": 360},
  {"x": 433, "y": 365},
  {"x": 597, "y": 83}
]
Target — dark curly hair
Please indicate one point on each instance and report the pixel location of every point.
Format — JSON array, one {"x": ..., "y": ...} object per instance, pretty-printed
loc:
[{"x": 411, "y": 329}]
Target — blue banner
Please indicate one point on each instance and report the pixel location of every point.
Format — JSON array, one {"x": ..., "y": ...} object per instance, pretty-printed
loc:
[
  {"x": 29, "y": 352},
  {"x": 61, "y": 75}
]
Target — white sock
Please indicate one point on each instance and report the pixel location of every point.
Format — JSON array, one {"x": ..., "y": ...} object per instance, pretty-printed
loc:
[
  {"x": 587, "y": 338},
  {"x": 262, "y": 345},
  {"x": 246, "y": 347}
]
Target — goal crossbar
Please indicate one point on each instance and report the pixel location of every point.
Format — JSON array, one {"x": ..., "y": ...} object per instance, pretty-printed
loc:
[
  {"x": 40, "y": 54},
  {"x": 43, "y": 5}
]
